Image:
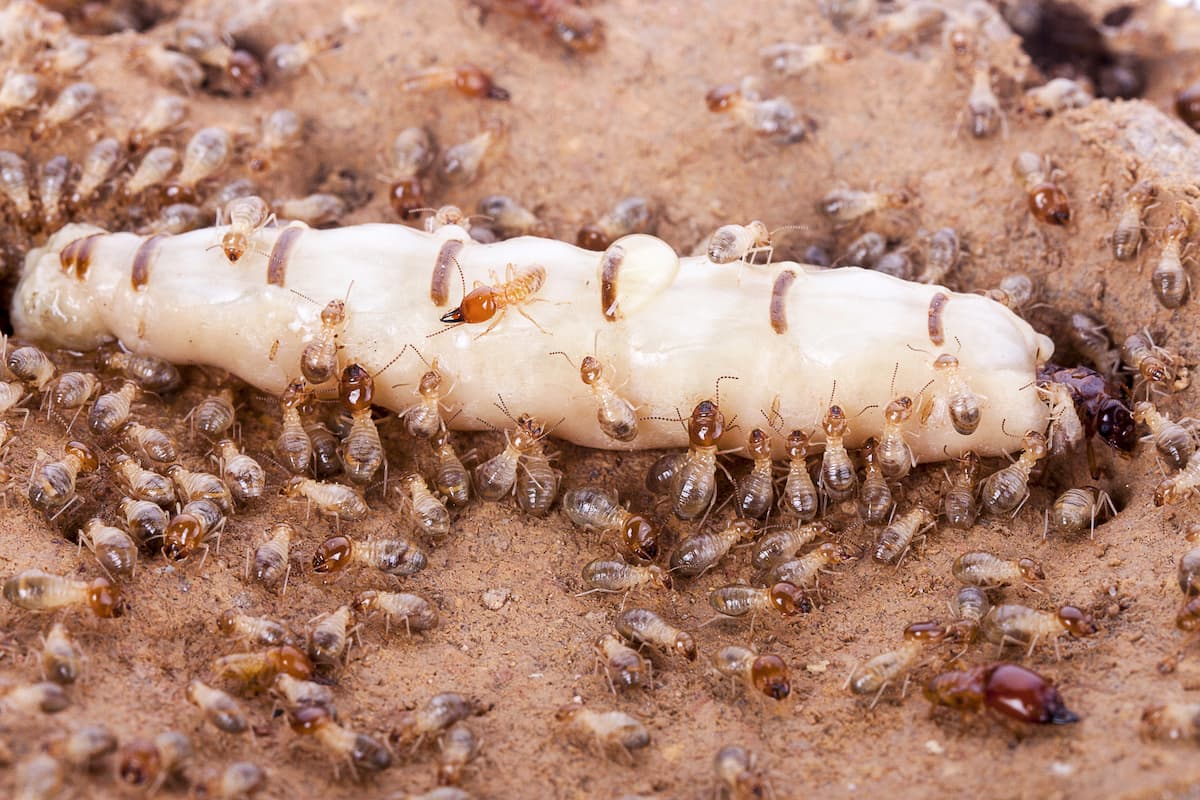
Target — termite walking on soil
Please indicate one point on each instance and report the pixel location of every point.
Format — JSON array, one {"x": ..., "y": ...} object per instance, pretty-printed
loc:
[
  {"x": 1047, "y": 201},
  {"x": 615, "y": 415},
  {"x": 1127, "y": 236},
  {"x": 1169, "y": 279}
]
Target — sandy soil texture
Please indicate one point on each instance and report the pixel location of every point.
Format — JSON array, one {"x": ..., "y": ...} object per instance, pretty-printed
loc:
[{"x": 584, "y": 130}]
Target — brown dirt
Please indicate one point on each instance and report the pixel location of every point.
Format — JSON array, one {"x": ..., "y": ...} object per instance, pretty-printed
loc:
[{"x": 584, "y": 132}]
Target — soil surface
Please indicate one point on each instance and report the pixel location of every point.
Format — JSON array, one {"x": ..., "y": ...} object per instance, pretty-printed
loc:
[{"x": 585, "y": 130}]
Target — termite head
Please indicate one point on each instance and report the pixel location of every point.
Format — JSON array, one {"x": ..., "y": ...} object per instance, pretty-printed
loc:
[
  {"x": 685, "y": 645},
  {"x": 356, "y": 389},
  {"x": 723, "y": 98},
  {"x": 227, "y": 621},
  {"x": 1176, "y": 229},
  {"x": 661, "y": 576},
  {"x": 297, "y": 395},
  {"x": 788, "y": 599},
  {"x": 640, "y": 537},
  {"x": 1115, "y": 425},
  {"x": 88, "y": 462},
  {"x": 478, "y": 306},
  {"x": 758, "y": 444},
  {"x": 234, "y": 244},
  {"x": 925, "y": 632},
  {"x": 104, "y": 599},
  {"x": 706, "y": 425},
  {"x": 769, "y": 674},
  {"x": 307, "y": 719},
  {"x": 797, "y": 444},
  {"x": 334, "y": 313},
  {"x": 1024, "y": 695},
  {"x": 968, "y": 466},
  {"x": 527, "y": 433},
  {"x": 332, "y": 555},
  {"x": 182, "y": 536},
  {"x": 1142, "y": 411},
  {"x": 293, "y": 487},
  {"x": 744, "y": 528},
  {"x": 1031, "y": 570},
  {"x": 1188, "y": 618},
  {"x": 430, "y": 383},
  {"x": 590, "y": 370},
  {"x": 898, "y": 411},
  {"x": 834, "y": 423},
  {"x": 1049, "y": 204},
  {"x": 945, "y": 361},
  {"x": 834, "y": 553},
  {"x": 1034, "y": 444},
  {"x": 1143, "y": 193},
  {"x": 1076, "y": 621}
]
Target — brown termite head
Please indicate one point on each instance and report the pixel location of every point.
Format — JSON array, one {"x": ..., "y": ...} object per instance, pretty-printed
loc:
[
  {"x": 789, "y": 599},
  {"x": 1076, "y": 621},
  {"x": 797, "y": 444},
  {"x": 34, "y": 590},
  {"x": 145, "y": 521},
  {"x": 769, "y": 674},
  {"x": 189, "y": 529},
  {"x": 706, "y": 425},
  {"x": 332, "y": 555},
  {"x": 925, "y": 632},
  {"x": 1034, "y": 444},
  {"x": 758, "y": 444},
  {"x": 144, "y": 763},
  {"x": 834, "y": 423},
  {"x": 898, "y": 411}
]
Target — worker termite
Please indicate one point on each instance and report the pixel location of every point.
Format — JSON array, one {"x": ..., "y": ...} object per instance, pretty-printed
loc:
[
  {"x": 412, "y": 154},
  {"x": 942, "y": 252},
  {"x": 755, "y": 492},
  {"x": 1007, "y": 689},
  {"x": 897, "y": 537},
  {"x": 326, "y": 460},
  {"x": 738, "y": 600},
  {"x": 240, "y": 780},
  {"x": 984, "y": 115},
  {"x": 1171, "y": 721},
  {"x": 1171, "y": 283},
  {"x": 319, "y": 359},
  {"x": 693, "y": 488},
  {"x": 190, "y": 486},
  {"x": 32, "y": 366},
  {"x": 424, "y": 418},
  {"x": 740, "y": 778},
  {"x": 799, "y": 493},
  {"x": 191, "y": 528},
  {"x": 397, "y": 557},
  {"x": 293, "y": 446},
  {"x": 243, "y": 475},
  {"x": 417, "y": 613},
  {"x": 766, "y": 674},
  {"x": 459, "y": 747},
  {"x": 289, "y": 58},
  {"x": 959, "y": 403},
  {"x": 142, "y": 484},
  {"x": 84, "y": 747},
  {"x": 497, "y": 476},
  {"x": 1059, "y": 94},
  {"x": 1021, "y": 625},
  {"x": 151, "y": 445},
  {"x": 570, "y": 24},
  {"x": 171, "y": 67},
  {"x": 624, "y": 667},
  {"x": 775, "y": 117},
  {"x": 362, "y": 450},
  {"x": 98, "y": 166},
  {"x": 1007, "y": 490},
  {"x": 33, "y": 698},
  {"x": 642, "y": 626},
  {"x": 174, "y": 219},
  {"x": 882, "y": 671},
  {"x": 466, "y": 79},
  {"x": 18, "y": 92},
  {"x": 219, "y": 708},
  {"x": 1047, "y": 201},
  {"x": 330, "y": 637},
  {"x": 252, "y": 630},
  {"x": 740, "y": 243},
  {"x": 630, "y": 215},
  {"x": 1155, "y": 365},
  {"x": 52, "y": 486},
  {"x": 1077, "y": 510},
  {"x": 484, "y": 303},
  {"x": 281, "y": 131},
  {"x": 257, "y": 671},
  {"x": 844, "y": 206},
  {"x": 115, "y": 550},
  {"x": 838, "y": 481},
  {"x": 439, "y": 713},
  {"x": 362, "y": 751},
  {"x": 247, "y": 216},
  {"x": 876, "y": 501},
  {"x": 699, "y": 552},
  {"x": 150, "y": 373},
  {"x": 34, "y": 590},
  {"x": 462, "y": 163},
  {"x": 206, "y": 154},
  {"x": 987, "y": 571},
  {"x": 1127, "y": 236},
  {"x": 37, "y": 777},
  {"x": 616, "y": 416},
  {"x": 1180, "y": 486},
  {"x": 111, "y": 410},
  {"x": 428, "y": 511},
  {"x": 1187, "y": 619},
  {"x": 165, "y": 113},
  {"x": 508, "y": 218},
  {"x": 596, "y": 510},
  {"x": 297, "y": 693},
  {"x": 315, "y": 210},
  {"x": 958, "y": 502},
  {"x": 616, "y": 733},
  {"x": 52, "y": 184},
  {"x": 451, "y": 479},
  {"x": 148, "y": 764},
  {"x": 331, "y": 499},
  {"x": 1099, "y": 405},
  {"x": 893, "y": 453},
  {"x": 969, "y": 607},
  {"x": 614, "y": 575},
  {"x": 70, "y": 104},
  {"x": 12, "y": 394},
  {"x": 270, "y": 563},
  {"x": 803, "y": 572},
  {"x": 782, "y": 545},
  {"x": 14, "y": 184},
  {"x": 145, "y": 521},
  {"x": 792, "y": 59},
  {"x": 62, "y": 660}
]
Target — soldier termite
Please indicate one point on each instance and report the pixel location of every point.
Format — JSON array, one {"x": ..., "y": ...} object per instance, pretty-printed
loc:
[
  {"x": 98, "y": 166},
  {"x": 145, "y": 521},
  {"x": 151, "y": 445},
  {"x": 897, "y": 537},
  {"x": 115, "y": 550},
  {"x": 52, "y": 185},
  {"x": 594, "y": 509},
  {"x": 70, "y": 104},
  {"x": 1170, "y": 281},
  {"x": 142, "y": 484},
  {"x": 62, "y": 660},
  {"x": 699, "y": 552},
  {"x": 571, "y": 25},
  {"x": 362, "y": 450},
  {"x": 615, "y": 732},
  {"x": 987, "y": 571},
  {"x": 150, "y": 373},
  {"x": 412, "y": 154},
  {"x": 148, "y": 764},
  {"x": 240, "y": 780},
  {"x": 247, "y": 216},
  {"x": 803, "y": 572},
  {"x": 1007, "y": 689},
  {"x": 969, "y": 607},
  {"x": 775, "y": 117},
  {"x": 1076, "y": 510},
  {"x": 782, "y": 545},
  {"x": 799, "y": 493},
  {"x": 330, "y": 499},
  {"x": 32, "y": 366},
  {"x": 111, "y": 410},
  {"x": 984, "y": 115},
  {"x": 484, "y": 303},
  {"x": 630, "y": 215},
  {"x": 52, "y": 486},
  {"x": 191, "y": 528},
  {"x": 884, "y": 670},
  {"x": 390, "y": 556},
  {"x": 624, "y": 667},
  {"x": 414, "y": 611},
  {"x": 755, "y": 492},
  {"x": 219, "y": 708},
  {"x": 165, "y": 113},
  {"x": 738, "y": 600},
  {"x": 1021, "y": 625},
  {"x": 1180, "y": 486},
  {"x": 252, "y": 630},
  {"x": 642, "y": 626},
  {"x": 1007, "y": 490},
  {"x": 462, "y": 163},
  {"x": 766, "y": 674},
  {"x": 614, "y": 575},
  {"x": 270, "y": 563},
  {"x": 876, "y": 500},
  {"x": 362, "y": 751},
  {"x": 330, "y": 637},
  {"x": 844, "y": 206},
  {"x": 740, "y": 778},
  {"x": 293, "y": 446},
  {"x": 257, "y": 671},
  {"x": 34, "y": 590},
  {"x": 428, "y": 511},
  {"x": 792, "y": 59},
  {"x": 191, "y": 486},
  {"x": 1127, "y": 236},
  {"x": 616, "y": 416},
  {"x": 838, "y": 480},
  {"x": 466, "y": 79},
  {"x": 243, "y": 475},
  {"x": 1047, "y": 201}
]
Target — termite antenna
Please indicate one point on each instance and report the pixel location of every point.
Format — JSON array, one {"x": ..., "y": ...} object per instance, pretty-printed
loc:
[
  {"x": 959, "y": 343},
  {"x": 504, "y": 408},
  {"x": 866, "y": 409},
  {"x": 462, "y": 279},
  {"x": 919, "y": 350},
  {"x": 1005, "y": 430},
  {"x": 485, "y": 422},
  {"x": 926, "y": 386},
  {"x": 895, "y": 371},
  {"x": 302, "y": 295},
  {"x": 718, "y": 385},
  {"x": 393, "y": 361},
  {"x": 443, "y": 330},
  {"x": 564, "y": 355},
  {"x": 771, "y": 422},
  {"x": 833, "y": 392}
]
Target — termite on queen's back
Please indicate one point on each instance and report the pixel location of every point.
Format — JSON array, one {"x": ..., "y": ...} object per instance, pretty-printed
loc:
[
  {"x": 484, "y": 303},
  {"x": 293, "y": 446},
  {"x": 616, "y": 416},
  {"x": 423, "y": 419},
  {"x": 247, "y": 216},
  {"x": 362, "y": 450},
  {"x": 755, "y": 492},
  {"x": 1047, "y": 201}
]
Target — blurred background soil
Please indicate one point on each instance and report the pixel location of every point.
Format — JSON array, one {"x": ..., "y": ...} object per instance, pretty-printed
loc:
[{"x": 585, "y": 130}]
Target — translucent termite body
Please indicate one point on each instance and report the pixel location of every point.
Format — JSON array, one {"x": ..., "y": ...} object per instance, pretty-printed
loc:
[
  {"x": 331, "y": 499},
  {"x": 258, "y": 670},
  {"x": 459, "y": 747},
  {"x": 142, "y": 484},
  {"x": 165, "y": 113},
  {"x": 73, "y": 389},
  {"x": 839, "y": 480},
  {"x": 1057, "y": 95},
  {"x": 497, "y": 476},
  {"x": 799, "y": 495},
  {"x": 326, "y": 460},
  {"x": 767, "y": 674},
  {"x": 942, "y": 254},
  {"x": 451, "y": 478},
  {"x": 362, "y": 751},
  {"x": 792, "y": 59},
  {"x": 1007, "y": 689},
  {"x": 1047, "y": 201},
  {"x": 876, "y": 501},
  {"x": 53, "y": 483},
  {"x": 594, "y": 509},
  {"x": 85, "y": 747},
  {"x": 803, "y": 572},
  {"x": 894, "y": 455},
  {"x": 463, "y": 163},
  {"x": 699, "y": 552},
  {"x": 33, "y": 698},
  {"x": 115, "y": 550},
  {"x": 246, "y": 215},
  {"x": 573, "y": 27},
  {"x": 175, "y": 219},
  {"x": 428, "y": 511},
  {"x": 412, "y": 154},
  {"x": 615, "y": 415},
  {"x": 969, "y": 606},
  {"x": 1021, "y": 625},
  {"x": 614, "y": 575},
  {"x": 1155, "y": 366},
  {"x": 98, "y": 166},
  {"x": 466, "y": 79},
  {"x": 739, "y": 775},
  {"x": 984, "y": 115},
  {"x": 615, "y": 732},
  {"x": 961, "y": 404},
  {"x": 755, "y": 493},
  {"x": 362, "y": 450},
  {"x": 537, "y": 481},
  {"x": 436, "y": 715},
  {"x": 1127, "y": 236},
  {"x": 987, "y": 571},
  {"x": 897, "y": 537},
  {"x": 32, "y": 366},
  {"x": 1089, "y": 337},
  {"x": 1180, "y": 486},
  {"x": 52, "y": 187},
  {"x": 270, "y": 561},
  {"x": 151, "y": 445},
  {"x": 625, "y": 667},
  {"x": 1188, "y": 572},
  {"x": 958, "y": 502},
  {"x": 1169, "y": 279},
  {"x": 844, "y": 206},
  {"x": 784, "y": 544},
  {"x": 330, "y": 637},
  {"x": 628, "y": 216},
  {"x": 1005, "y": 491},
  {"x": 1171, "y": 721},
  {"x": 14, "y": 184},
  {"x": 252, "y": 630},
  {"x": 190, "y": 529},
  {"x": 397, "y": 557},
  {"x": 508, "y": 218},
  {"x": 289, "y": 58},
  {"x": 739, "y": 243},
  {"x": 319, "y": 360},
  {"x": 1076, "y": 510},
  {"x": 18, "y": 92},
  {"x": 111, "y": 410},
  {"x": 414, "y": 611},
  {"x": 642, "y": 626},
  {"x": 887, "y": 668},
  {"x": 37, "y": 777},
  {"x": 206, "y": 154},
  {"x": 300, "y": 693},
  {"x": 739, "y": 600},
  {"x": 145, "y": 521},
  {"x": 150, "y": 373},
  {"x": 34, "y": 590},
  {"x": 315, "y": 210},
  {"x": 70, "y": 104},
  {"x": 62, "y": 660},
  {"x": 694, "y": 485},
  {"x": 775, "y": 117},
  {"x": 191, "y": 486},
  {"x": 281, "y": 130},
  {"x": 214, "y": 415},
  {"x": 424, "y": 418},
  {"x": 219, "y": 708},
  {"x": 238, "y": 781},
  {"x": 293, "y": 446}
]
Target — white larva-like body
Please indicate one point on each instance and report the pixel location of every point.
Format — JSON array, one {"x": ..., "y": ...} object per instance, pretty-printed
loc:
[{"x": 787, "y": 331}]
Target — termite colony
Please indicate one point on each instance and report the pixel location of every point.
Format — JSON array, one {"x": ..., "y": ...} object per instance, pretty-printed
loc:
[{"x": 764, "y": 546}]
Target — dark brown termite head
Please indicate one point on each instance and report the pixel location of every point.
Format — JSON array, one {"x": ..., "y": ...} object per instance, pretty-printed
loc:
[
  {"x": 479, "y": 305},
  {"x": 640, "y": 537},
  {"x": 1077, "y": 621},
  {"x": 288, "y": 660},
  {"x": 1024, "y": 695},
  {"x": 592, "y": 237},
  {"x": 474, "y": 82},
  {"x": 88, "y": 461},
  {"x": 925, "y": 632},
  {"x": 577, "y": 29},
  {"x": 1115, "y": 425},
  {"x": 789, "y": 600},
  {"x": 182, "y": 537},
  {"x": 722, "y": 98},
  {"x": 138, "y": 763},
  {"x": 356, "y": 388},
  {"x": 868, "y": 451},
  {"x": 769, "y": 674},
  {"x": 590, "y": 370},
  {"x": 706, "y": 425},
  {"x": 104, "y": 599},
  {"x": 332, "y": 555},
  {"x": 758, "y": 444},
  {"x": 307, "y": 719},
  {"x": 527, "y": 433},
  {"x": 297, "y": 395},
  {"x": 1187, "y": 105},
  {"x": 797, "y": 444},
  {"x": 407, "y": 196},
  {"x": 1049, "y": 204}
]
